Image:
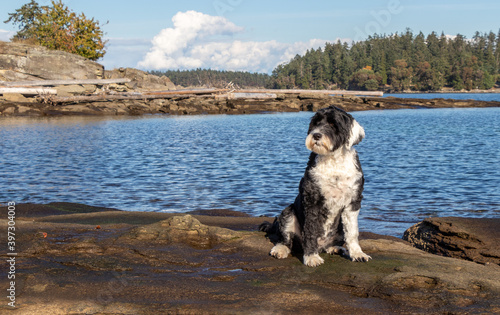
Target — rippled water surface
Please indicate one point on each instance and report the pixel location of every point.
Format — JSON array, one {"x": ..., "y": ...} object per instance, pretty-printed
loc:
[{"x": 417, "y": 163}]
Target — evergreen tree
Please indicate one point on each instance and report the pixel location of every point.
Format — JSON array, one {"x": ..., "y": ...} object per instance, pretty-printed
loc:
[
  {"x": 220, "y": 79},
  {"x": 401, "y": 60},
  {"x": 365, "y": 79},
  {"x": 401, "y": 75}
]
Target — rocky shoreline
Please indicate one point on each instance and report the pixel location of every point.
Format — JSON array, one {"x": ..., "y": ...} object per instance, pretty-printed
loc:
[
  {"x": 24, "y": 64},
  {"x": 205, "y": 105},
  {"x": 74, "y": 258}
]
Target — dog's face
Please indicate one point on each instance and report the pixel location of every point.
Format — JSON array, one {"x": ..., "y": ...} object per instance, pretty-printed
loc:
[{"x": 330, "y": 129}]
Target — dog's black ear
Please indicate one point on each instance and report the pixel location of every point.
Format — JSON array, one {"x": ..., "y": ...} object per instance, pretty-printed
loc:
[{"x": 357, "y": 134}]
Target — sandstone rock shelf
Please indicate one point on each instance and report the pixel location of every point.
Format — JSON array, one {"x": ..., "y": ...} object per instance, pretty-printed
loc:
[
  {"x": 79, "y": 259},
  {"x": 212, "y": 104},
  {"x": 28, "y": 63}
]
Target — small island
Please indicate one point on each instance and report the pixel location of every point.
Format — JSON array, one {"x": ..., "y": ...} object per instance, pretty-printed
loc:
[{"x": 68, "y": 84}]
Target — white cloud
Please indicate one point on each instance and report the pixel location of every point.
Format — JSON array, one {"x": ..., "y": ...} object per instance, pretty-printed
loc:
[
  {"x": 124, "y": 52},
  {"x": 171, "y": 46},
  {"x": 6, "y": 35},
  {"x": 199, "y": 40}
]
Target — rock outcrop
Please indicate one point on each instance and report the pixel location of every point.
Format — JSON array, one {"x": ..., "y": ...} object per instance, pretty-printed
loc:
[
  {"x": 202, "y": 105},
  {"x": 20, "y": 62},
  {"x": 183, "y": 229},
  {"x": 23, "y": 62},
  {"x": 140, "y": 80},
  {"x": 470, "y": 239},
  {"x": 75, "y": 260}
]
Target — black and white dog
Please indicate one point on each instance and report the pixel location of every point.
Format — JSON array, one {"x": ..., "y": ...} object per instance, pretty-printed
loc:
[{"x": 324, "y": 215}]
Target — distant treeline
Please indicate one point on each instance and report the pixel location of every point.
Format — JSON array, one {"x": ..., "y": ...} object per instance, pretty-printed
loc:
[
  {"x": 396, "y": 62},
  {"x": 214, "y": 78}
]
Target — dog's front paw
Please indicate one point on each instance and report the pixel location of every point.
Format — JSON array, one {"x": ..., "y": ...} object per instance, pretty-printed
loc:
[
  {"x": 280, "y": 251},
  {"x": 359, "y": 256},
  {"x": 313, "y": 260}
]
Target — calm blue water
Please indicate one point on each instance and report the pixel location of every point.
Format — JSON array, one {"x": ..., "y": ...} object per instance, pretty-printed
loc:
[{"x": 417, "y": 163}]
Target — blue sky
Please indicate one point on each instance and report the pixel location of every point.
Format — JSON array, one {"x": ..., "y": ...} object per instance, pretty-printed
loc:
[{"x": 257, "y": 35}]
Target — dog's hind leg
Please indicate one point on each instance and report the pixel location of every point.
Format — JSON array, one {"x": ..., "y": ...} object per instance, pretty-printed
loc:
[
  {"x": 288, "y": 228},
  {"x": 280, "y": 251},
  {"x": 335, "y": 247},
  {"x": 337, "y": 250}
]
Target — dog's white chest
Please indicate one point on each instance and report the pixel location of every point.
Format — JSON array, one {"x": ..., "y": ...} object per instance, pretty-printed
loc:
[{"x": 336, "y": 176}]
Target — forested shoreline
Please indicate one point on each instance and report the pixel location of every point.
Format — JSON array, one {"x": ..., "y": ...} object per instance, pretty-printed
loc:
[
  {"x": 398, "y": 62},
  {"x": 215, "y": 78},
  {"x": 394, "y": 63}
]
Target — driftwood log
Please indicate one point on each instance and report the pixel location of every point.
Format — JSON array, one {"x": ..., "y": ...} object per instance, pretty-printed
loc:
[
  {"x": 64, "y": 82},
  {"x": 27, "y": 91}
]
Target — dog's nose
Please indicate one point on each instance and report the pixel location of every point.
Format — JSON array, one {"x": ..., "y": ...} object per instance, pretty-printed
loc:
[{"x": 316, "y": 136}]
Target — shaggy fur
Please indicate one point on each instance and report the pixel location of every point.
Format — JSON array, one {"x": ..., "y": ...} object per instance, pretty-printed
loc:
[{"x": 324, "y": 215}]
